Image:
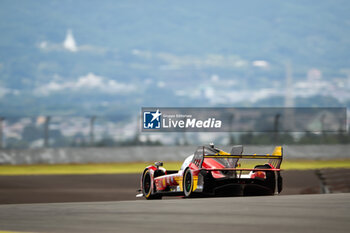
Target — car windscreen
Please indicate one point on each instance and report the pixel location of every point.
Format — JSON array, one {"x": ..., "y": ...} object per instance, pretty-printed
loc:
[{"x": 204, "y": 150}]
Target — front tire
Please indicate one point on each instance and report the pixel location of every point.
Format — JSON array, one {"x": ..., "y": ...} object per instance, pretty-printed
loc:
[
  {"x": 147, "y": 187},
  {"x": 187, "y": 183}
]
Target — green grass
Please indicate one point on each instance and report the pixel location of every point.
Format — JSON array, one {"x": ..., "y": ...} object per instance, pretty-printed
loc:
[
  {"x": 11, "y": 232},
  {"x": 62, "y": 169},
  {"x": 119, "y": 168},
  {"x": 314, "y": 164}
]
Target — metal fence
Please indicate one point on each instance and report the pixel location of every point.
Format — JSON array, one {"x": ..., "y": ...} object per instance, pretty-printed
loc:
[{"x": 154, "y": 153}]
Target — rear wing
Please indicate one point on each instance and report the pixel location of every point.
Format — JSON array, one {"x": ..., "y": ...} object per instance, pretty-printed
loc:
[{"x": 274, "y": 159}]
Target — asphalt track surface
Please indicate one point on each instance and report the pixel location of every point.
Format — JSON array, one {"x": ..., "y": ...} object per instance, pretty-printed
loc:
[
  {"x": 113, "y": 187},
  {"x": 290, "y": 213}
]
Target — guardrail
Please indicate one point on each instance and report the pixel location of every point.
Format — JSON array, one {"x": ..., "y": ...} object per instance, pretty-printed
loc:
[{"x": 153, "y": 153}]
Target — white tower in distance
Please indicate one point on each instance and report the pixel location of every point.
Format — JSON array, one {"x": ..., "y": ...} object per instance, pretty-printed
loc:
[
  {"x": 289, "y": 100},
  {"x": 289, "y": 95},
  {"x": 69, "y": 43}
]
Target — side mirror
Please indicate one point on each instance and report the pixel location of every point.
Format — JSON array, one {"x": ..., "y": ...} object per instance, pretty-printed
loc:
[{"x": 158, "y": 164}]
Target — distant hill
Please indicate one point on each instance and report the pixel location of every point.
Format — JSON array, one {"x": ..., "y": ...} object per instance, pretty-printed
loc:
[{"x": 165, "y": 53}]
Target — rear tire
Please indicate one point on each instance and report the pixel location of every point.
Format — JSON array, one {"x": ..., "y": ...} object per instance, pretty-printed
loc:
[
  {"x": 270, "y": 181},
  {"x": 262, "y": 187},
  {"x": 187, "y": 183},
  {"x": 279, "y": 182},
  {"x": 147, "y": 187}
]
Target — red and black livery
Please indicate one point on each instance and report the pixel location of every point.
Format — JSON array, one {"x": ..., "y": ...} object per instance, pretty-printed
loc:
[{"x": 214, "y": 172}]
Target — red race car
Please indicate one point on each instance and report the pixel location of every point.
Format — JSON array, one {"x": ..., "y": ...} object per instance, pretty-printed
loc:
[{"x": 213, "y": 172}]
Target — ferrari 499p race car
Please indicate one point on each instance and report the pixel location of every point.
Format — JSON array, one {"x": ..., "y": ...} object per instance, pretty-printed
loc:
[{"x": 213, "y": 172}]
